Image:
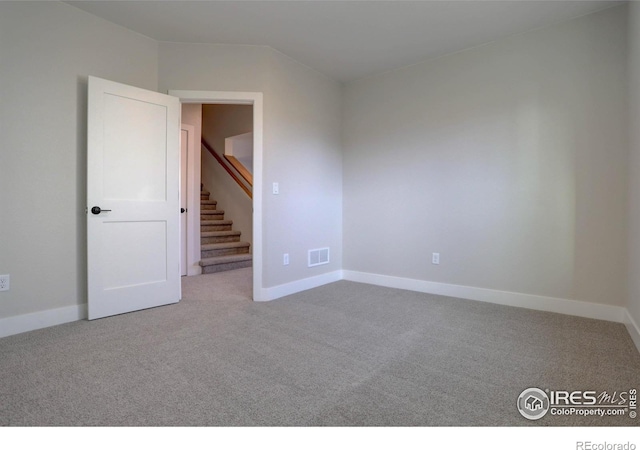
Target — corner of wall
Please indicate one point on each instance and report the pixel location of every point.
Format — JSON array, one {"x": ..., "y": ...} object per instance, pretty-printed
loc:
[
  {"x": 632, "y": 318},
  {"x": 633, "y": 329},
  {"x": 276, "y": 292}
]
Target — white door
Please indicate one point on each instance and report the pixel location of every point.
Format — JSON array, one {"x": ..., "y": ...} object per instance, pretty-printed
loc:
[{"x": 132, "y": 198}]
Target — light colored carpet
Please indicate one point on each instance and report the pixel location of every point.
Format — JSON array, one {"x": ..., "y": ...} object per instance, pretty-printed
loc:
[{"x": 342, "y": 354}]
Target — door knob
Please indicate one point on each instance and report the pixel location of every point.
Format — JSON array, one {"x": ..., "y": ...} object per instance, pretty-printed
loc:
[
  {"x": 97, "y": 210},
  {"x": 182, "y": 210}
]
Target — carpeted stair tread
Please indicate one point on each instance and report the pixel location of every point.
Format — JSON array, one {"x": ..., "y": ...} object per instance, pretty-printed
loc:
[
  {"x": 212, "y": 212},
  {"x": 223, "y": 245},
  {"x": 225, "y": 259},
  {"x": 204, "y": 223},
  {"x": 225, "y": 248},
  {"x": 215, "y": 225},
  {"x": 219, "y": 233},
  {"x": 217, "y": 237},
  {"x": 208, "y": 205},
  {"x": 220, "y": 248}
]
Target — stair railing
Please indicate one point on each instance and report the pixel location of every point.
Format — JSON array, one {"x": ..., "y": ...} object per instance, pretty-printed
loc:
[
  {"x": 226, "y": 167},
  {"x": 240, "y": 168}
]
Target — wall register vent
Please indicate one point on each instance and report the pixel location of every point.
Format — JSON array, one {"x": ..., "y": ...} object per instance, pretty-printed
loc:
[{"x": 318, "y": 256}]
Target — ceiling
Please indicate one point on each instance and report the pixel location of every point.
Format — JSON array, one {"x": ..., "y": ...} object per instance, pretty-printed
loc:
[{"x": 345, "y": 40}]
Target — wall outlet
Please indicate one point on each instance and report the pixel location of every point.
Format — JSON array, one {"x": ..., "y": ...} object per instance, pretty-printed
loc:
[
  {"x": 435, "y": 258},
  {"x": 4, "y": 282},
  {"x": 285, "y": 259},
  {"x": 276, "y": 188}
]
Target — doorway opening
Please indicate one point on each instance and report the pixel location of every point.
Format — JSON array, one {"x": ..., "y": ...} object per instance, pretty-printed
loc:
[
  {"x": 233, "y": 112},
  {"x": 227, "y": 183}
]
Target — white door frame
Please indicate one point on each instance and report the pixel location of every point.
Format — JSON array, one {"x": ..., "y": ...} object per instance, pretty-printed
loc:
[
  {"x": 242, "y": 98},
  {"x": 193, "y": 204}
]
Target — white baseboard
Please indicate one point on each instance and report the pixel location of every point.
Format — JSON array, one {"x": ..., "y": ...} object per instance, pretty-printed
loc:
[
  {"x": 272, "y": 293},
  {"x": 540, "y": 303},
  {"x": 633, "y": 328},
  {"x": 41, "y": 319}
]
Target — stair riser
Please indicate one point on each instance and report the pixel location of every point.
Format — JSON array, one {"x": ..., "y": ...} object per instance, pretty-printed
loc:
[
  {"x": 224, "y": 252},
  {"x": 204, "y": 197},
  {"x": 219, "y": 239},
  {"x": 205, "y": 228},
  {"x": 207, "y": 207},
  {"x": 229, "y": 266}
]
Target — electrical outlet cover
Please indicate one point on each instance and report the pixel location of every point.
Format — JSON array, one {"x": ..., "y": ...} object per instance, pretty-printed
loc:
[{"x": 4, "y": 282}]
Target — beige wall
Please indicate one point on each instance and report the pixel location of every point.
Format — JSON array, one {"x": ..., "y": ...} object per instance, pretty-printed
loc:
[
  {"x": 222, "y": 121},
  {"x": 509, "y": 160},
  {"x": 633, "y": 304},
  {"x": 47, "y": 50},
  {"x": 218, "y": 123},
  {"x": 303, "y": 153}
]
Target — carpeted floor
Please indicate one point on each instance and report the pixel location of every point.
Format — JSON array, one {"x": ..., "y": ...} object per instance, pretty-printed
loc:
[{"x": 345, "y": 354}]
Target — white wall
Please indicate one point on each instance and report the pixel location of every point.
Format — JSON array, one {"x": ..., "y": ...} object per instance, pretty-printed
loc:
[
  {"x": 240, "y": 147},
  {"x": 47, "y": 50},
  {"x": 202, "y": 67},
  {"x": 509, "y": 160},
  {"x": 219, "y": 122},
  {"x": 304, "y": 155},
  {"x": 302, "y": 148},
  {"x": 633, "y": 303}
]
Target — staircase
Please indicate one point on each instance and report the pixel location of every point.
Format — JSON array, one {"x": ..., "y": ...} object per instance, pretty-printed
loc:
[{"x": 221, "y": 248}]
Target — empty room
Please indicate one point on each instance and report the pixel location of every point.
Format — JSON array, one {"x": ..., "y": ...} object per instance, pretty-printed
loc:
[{"x": 412, "y": 204}]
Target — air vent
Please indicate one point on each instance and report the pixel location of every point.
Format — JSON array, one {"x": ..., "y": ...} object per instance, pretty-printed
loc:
[{"x": 318, "y": 256}]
